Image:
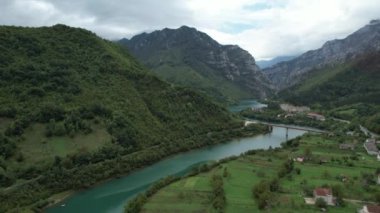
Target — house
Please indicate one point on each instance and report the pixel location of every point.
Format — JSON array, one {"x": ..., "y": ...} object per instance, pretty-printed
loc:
[
  {"x": 370, "y": 209},
  {"x": 325, "y": 194},
  {"x": 299, "y": 159},
  {"x": 316, "y": 116},
  {"x": 371, "y": 148},
  {"x": 347, "y": 146}
]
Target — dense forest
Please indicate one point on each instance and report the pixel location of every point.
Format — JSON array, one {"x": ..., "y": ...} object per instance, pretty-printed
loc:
[{"x": 76, "y": 109}]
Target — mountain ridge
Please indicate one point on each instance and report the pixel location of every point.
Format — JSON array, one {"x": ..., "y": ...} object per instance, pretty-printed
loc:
[
  {"x": 332, "y": 53},
  {"x": 198, "y": 61}
]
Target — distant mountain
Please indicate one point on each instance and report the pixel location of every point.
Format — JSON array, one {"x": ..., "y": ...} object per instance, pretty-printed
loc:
[
  {"x": 357, "y": 81},
  {"x": 350, "y": 90},
  {"x": 268, "y": 63},
  {"x": 188, "y": 57},
  {"x": 330, "y": 55}
]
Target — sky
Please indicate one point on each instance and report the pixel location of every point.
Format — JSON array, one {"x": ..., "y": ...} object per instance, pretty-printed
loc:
[{"x": 264, "y": 28}]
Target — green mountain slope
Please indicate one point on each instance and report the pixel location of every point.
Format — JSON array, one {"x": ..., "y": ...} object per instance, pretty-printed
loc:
[
  {"x": 191, "y": 58},
  {"x": 351, "y": 89},
  {"x": 73, "y": 107},
  {"x": 357, "y": 81}
]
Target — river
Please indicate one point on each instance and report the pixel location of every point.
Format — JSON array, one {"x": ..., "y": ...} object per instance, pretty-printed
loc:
[{"x": 111, "y": 196}]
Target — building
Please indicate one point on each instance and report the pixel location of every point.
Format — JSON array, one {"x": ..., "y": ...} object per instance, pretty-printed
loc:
[
  {"x": 325, "y": 194},
  {"x": 294, "y": 109},
  {"x": 299, "y": 159},
  {"x": 316, "y": 116},
  {"x": 370, "y": 140},
  {"x": 371, "y": 148},
  {"x": 347, "y": 146},
  {"x": 370, "y": 209}
]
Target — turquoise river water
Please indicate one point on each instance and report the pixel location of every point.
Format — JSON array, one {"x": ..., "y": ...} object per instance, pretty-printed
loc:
[{"x": 111, "y": 196}]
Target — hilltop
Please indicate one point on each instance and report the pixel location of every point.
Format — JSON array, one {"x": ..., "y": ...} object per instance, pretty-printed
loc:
[{"x": 188, "y": 57}]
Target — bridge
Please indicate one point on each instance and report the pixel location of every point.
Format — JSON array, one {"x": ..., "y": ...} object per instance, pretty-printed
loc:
[{"x": 287, "y": 127}]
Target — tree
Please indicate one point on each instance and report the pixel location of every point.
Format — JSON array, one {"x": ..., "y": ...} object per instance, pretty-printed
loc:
[
  {"x": 218, "y": 197},
  {"x": 260, "y": 188},
  {"x": 307, "y": 153},
  {"x": 338, "y": 194},
  {"x": 264, "y": 200},
  {"x": 377, "y": 197},
  {"x": 7, "y": 147},
  {"x": 136, "y": 205},
  {"x": 274, "y": 185},
  {"x": 225, "y": 172},
  {"x": 298, "y": 171},
  {"x": 320, "y": 203}
]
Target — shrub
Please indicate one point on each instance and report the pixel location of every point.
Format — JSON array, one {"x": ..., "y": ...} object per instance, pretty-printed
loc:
[{"x": 320, "y": 203}]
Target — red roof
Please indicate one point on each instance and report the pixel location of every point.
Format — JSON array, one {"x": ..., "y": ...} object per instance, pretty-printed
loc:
[
  {"x": 373, "y": 209},
  {"x": 322, "y": 191}
]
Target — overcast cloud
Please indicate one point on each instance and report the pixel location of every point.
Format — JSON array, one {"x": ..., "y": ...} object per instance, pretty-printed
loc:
[{"x": 265, "y": 28}]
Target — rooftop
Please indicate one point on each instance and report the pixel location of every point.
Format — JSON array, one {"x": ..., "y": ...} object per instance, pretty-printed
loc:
[
  {"x": 322, "y": 191},
  {"x": 373, "y": 209},
  {"x": 370, "y": 146}
]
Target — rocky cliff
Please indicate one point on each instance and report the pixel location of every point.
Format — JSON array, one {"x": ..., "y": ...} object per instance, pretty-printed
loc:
[
  {"x": 191, "y": 58},
  {"x": 331, "y": 54}
]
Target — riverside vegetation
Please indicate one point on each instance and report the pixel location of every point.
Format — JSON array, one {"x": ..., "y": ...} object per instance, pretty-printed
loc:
[
  {"x": 76, "y": 109},
  {"x": 270, "y": 181}
]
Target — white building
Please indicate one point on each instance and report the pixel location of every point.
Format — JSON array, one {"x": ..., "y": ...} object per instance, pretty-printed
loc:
[
  {"x": 370, "y": 209},
  {"x": 325, "y": 194}
]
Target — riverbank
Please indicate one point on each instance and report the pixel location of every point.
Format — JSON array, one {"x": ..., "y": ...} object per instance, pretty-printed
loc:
[
  {"x": 64, "y": 178},
  {"x": 323, "y": 165},
  {"x": 116, "y": 192},
  {"x": 220, "y": 138},
  {"x": 58, "y": 199}
]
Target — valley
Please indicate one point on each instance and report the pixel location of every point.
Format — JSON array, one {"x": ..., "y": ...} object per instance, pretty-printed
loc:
[
  {"x": 149, "y": 107},
  {"x": 350, "y": 174},
  {"x": 178, "y": 165}
]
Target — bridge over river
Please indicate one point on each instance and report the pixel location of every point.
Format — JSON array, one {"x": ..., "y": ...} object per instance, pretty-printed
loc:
[{"x": 287, "y": 127}]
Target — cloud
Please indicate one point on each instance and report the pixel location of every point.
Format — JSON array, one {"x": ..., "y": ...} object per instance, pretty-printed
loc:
[
  {"x": 265, "y": 28},
  {"x": 293, "y": 27}
]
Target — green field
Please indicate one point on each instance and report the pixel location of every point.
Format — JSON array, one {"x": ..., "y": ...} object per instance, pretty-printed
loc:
[
  {"x": 340, "y": 168},
  {"x": 37, "y": 147}
]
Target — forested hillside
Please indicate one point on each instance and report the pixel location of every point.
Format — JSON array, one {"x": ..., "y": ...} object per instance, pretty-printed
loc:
[
  {"x": 352, "y": 89},
  {"x": 73, "y": 107}
]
